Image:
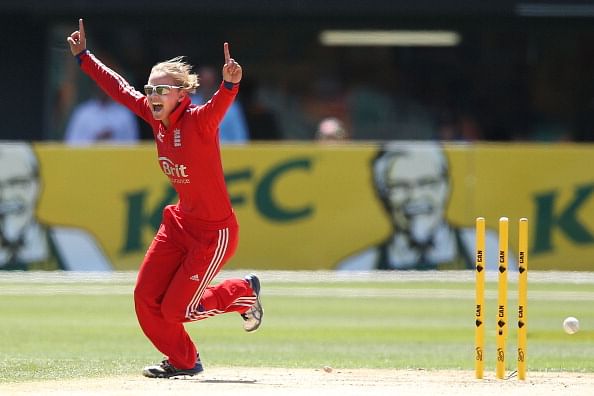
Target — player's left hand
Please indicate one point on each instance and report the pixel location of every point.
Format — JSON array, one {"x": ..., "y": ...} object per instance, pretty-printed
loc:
[
  {"x": 232, "y": 71},
  {"x": 77, "y": 39}
]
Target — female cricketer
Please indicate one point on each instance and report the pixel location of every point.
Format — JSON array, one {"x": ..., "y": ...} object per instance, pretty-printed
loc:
[{"x": 199, "y": 234}]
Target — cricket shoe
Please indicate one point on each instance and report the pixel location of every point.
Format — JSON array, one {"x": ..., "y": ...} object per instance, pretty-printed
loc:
[
  {"x": 167, "y": 370},
  {"x": 252, "y": 318}
]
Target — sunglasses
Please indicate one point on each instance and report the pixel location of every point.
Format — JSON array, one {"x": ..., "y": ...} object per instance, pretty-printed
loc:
[{"x": 159, "y": 89}]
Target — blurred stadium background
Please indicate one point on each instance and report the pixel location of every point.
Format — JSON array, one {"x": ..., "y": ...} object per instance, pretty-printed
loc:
[{"x": 513, "y": 70}]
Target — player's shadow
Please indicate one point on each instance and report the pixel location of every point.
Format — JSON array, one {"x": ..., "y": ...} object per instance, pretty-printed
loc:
[
  {"x": 223, "y": 381},
  {"x": 215, "y": 381}
]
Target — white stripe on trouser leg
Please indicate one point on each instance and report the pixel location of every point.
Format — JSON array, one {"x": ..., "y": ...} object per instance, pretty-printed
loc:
[
  {"x": 210, "y": 273},
  {"x": 245, "y": 301},
  {"x": 239, "y": 302},
  {"x": 205, "y": 314}
]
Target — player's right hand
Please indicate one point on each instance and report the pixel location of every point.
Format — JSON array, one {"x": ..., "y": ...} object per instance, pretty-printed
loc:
[
  {"x": 232, "y": 71},
  {"x": 77, "y": 39}
]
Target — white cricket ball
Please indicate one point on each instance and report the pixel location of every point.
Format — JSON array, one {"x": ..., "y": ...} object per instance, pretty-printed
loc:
[{"x": 571, "y": 325}]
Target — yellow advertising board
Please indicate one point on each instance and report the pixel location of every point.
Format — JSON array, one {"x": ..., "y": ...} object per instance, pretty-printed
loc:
[
  {"x": 308, "y": 206},
  {"x": 290, "y": 200},
  {"x": 551, "y": 185}
]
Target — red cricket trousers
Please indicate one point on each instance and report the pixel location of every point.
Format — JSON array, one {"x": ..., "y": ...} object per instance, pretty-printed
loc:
[{"x": 173, "y": 285}]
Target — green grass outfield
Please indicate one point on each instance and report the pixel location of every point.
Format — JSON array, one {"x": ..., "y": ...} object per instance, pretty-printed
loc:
[{"x": 83, "y": 325}]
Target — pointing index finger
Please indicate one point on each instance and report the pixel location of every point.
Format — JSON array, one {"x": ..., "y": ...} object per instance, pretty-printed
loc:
[
  {"x": 81, "y": 28},
  {"x": 227, "y": 54}
]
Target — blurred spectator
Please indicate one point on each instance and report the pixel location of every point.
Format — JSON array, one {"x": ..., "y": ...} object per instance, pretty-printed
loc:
[
  {"x": 461, "y": 125},
  {"x": 331, "y": 129},
  {"x": 100, "y": 119},
  {"x": 233, "y": 128},
  {"x": 380, "y": 115},
  {"x": 583, "y": 126},
  {"x": 64, "y": 84},
  {"x": 261, "y": 121},
  {"x": 548, "y": 129}
]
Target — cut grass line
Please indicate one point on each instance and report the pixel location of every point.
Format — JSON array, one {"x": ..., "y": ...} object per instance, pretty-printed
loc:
[
  {"x": 464, "y": 276},
  {"x": 427, "y": 292}
]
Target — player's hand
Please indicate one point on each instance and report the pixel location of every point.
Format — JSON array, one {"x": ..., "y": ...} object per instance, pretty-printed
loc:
[
  {"x": 77, "y": 39},
  {"x": 231, "y": 70}
]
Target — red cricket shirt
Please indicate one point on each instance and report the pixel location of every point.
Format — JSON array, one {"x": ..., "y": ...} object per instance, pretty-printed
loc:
[{"x": 188, "y": 151}]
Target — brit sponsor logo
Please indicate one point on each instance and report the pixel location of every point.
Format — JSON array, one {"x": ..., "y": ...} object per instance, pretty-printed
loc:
[{"x": 176, "y": 172}]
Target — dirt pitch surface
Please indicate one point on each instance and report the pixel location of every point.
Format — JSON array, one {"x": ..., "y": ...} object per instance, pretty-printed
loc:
[{"x": 312, "y": 382}]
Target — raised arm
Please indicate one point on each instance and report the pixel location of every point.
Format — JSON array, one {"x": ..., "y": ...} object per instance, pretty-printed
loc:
[
  {"x": 108, "y": 80},
  {"x": 214, "y": 110}
]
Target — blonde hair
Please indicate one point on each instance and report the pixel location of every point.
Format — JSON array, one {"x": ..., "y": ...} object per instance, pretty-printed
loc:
[{"x": 180, "y": 71}]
